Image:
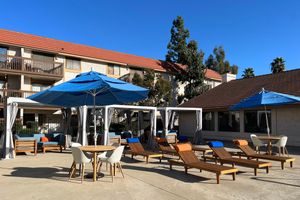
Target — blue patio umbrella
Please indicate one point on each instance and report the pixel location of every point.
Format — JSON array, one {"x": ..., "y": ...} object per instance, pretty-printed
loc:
[
  {"x": 91, "y": 88},
  {"x": 265, "y": 98}
]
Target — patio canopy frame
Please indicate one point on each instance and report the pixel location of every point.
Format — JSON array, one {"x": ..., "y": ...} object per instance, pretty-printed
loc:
[{"x": 167, "y": 112}]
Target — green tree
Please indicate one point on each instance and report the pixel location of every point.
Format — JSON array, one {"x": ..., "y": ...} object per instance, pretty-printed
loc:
[
  {"x": 211, "y": 63},
  {"x": 217, "y": 62},
  {"x": 178, "y": 41},
  {"x": 278, "y": 65},
  {"x": 194, "y": 76},
  {"x": 163, "y": 92},
  {"x": 248, "y": 73},
  {"x": 137, "y": 79},
  {"x": 159, "y": 88}
]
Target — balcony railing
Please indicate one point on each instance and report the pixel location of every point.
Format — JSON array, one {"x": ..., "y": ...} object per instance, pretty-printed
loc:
[
  {"x": 14, "y": 93},
  {"x": 30, "y": 66}
]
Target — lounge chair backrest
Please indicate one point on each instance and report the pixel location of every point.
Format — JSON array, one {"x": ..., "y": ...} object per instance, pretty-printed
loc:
[
  {"x": 135, "y": 145},
  {"x": 247, "y": 150},
  {"x": 163, "y": 144},
  {"x": 186, "y": 154},
  {"x": 243, "y": 145},
  {"x": 219, "y": 150}
]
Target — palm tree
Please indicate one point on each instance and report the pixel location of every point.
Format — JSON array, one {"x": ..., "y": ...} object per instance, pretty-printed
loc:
[
  {"x": 278, "y": 65},
  {"x": 248, "y": 73}
]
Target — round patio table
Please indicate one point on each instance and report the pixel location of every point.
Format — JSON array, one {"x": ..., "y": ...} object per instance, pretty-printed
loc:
[
  {"x": 95, "y": 150},
  {"x": 269, "y": 140}
]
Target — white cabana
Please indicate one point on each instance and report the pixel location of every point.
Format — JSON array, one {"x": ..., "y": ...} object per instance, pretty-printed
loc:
[
  {"x": 167, "y": 114},
  {"x": 13, "y": 104},
  {"x": 108, "y": 114}
]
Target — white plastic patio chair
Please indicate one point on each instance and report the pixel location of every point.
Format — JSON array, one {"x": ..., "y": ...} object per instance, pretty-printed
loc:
[
  {"x": 79, "y": 158},
  {"x": 257, "y": 143},
  {"x": 281, "y": 145},
  {"x": 105, "y": 155},
  {"x": 114, "y": 160}
]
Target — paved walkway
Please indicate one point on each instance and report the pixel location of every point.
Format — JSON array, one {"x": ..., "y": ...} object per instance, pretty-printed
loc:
[{"x": 45, "y": 176}]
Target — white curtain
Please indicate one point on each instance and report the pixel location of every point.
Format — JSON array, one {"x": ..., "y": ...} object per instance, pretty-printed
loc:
[
  {"x": 67, "y": 113},
  {"x": 107, "y": 122},
  {"x": 198, "y": 133},
  {"x": 171, "y": 118},
  {"x": 81, "y": 133},
  {"x": 163, "y": 118},
  {"x": 128, "y": 118},
  {"x": 140, "y": 123},
  {"x": 7, "y": 143},
  {"x": 152, "y": 128}
]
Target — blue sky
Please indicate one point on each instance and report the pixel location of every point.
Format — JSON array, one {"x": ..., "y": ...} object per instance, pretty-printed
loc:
[{"x": 252, "y": 32}]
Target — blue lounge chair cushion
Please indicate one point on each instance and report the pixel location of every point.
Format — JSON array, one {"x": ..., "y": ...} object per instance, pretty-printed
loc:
[
  {"x": 215, "y": 144},
  {"x": 133, "y": 140}
]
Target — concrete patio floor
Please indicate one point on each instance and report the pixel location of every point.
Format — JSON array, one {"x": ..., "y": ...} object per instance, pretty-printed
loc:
[{"x": 45, "y": 176}]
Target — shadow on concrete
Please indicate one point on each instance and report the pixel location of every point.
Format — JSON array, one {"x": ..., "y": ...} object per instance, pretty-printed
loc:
[
  {"x": 175, "y": 174},
  {"x": 55, "y": 173},
  {"x": 273, "y": 180}
]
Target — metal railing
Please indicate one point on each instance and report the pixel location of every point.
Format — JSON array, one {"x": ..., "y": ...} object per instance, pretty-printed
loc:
[
  {"x": 14, "y": 93},
  {"x": 28, "y": 65}
]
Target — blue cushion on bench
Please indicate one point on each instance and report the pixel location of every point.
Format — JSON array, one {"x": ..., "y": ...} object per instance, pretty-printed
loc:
[
  {"x": 38, "y": 136},
  {"x": 40, "y": 144},
  {"x": 133, "y": 140},
  {"x": 215, "y": 144}
]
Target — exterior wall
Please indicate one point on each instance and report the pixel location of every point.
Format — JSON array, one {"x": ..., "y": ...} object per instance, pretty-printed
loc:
[
  {"x": 284, "y": 121},
  {"x": 27, "y": 84},
  {"x": 87, "y": 66},
  {"x": 124, "y": 70},
  {"x": 187, "y": 123}
]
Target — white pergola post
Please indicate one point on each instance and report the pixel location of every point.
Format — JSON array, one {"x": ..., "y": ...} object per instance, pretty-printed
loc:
[
  {"x": 106, "y": 128},
  {"x": 166, "y": 124},
  {"x": 84, "y": 116}
]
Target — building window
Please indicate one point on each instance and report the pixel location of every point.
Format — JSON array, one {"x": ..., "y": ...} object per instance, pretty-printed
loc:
[
  {"x": 73, "y": 64},
  {"x": 114, "y": 70},
  {"x": 3, "y": 54},
  {"x": 255, "y": 121},
  {"x": 229, "y": 121},
  {"x": 42, "y": 61},
  {"x": 39, "y": 87},
  {"x": 208, "y": 121}
]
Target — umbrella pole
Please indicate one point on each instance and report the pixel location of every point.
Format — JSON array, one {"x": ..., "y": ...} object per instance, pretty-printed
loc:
[
  {"x": 95, "y": 129},
  {"x": 267, "y": 122}
]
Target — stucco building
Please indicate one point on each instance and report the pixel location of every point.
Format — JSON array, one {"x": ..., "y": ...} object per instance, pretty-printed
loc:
[
  {"x": 30, "y": 63},
  {"x": 219, "y": 122}
]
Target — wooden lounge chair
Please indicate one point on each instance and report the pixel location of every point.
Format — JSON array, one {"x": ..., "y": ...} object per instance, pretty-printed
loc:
[
  {"x": 250, "y": 153},
  {"x": 225, "y": 157},
  {"x": 190, "y": 160},
  {"x": 137, "y": 149},
  {"x": 165, "y": 147}
]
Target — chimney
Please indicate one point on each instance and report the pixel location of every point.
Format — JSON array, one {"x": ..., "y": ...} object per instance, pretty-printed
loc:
[{"x": 228, "y": 77}]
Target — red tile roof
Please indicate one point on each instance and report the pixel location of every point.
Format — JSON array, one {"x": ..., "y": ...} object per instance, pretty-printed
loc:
[
  {"x": 230, "y": 93},
  {"x": 211, "y": 74},
  {"x": 58, "y": 46}
]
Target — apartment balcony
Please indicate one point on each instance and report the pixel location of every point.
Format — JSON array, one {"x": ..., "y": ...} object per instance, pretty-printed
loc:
[
  {"x": 30, "y": 67},
  {"x": 14, "y": 93}
]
